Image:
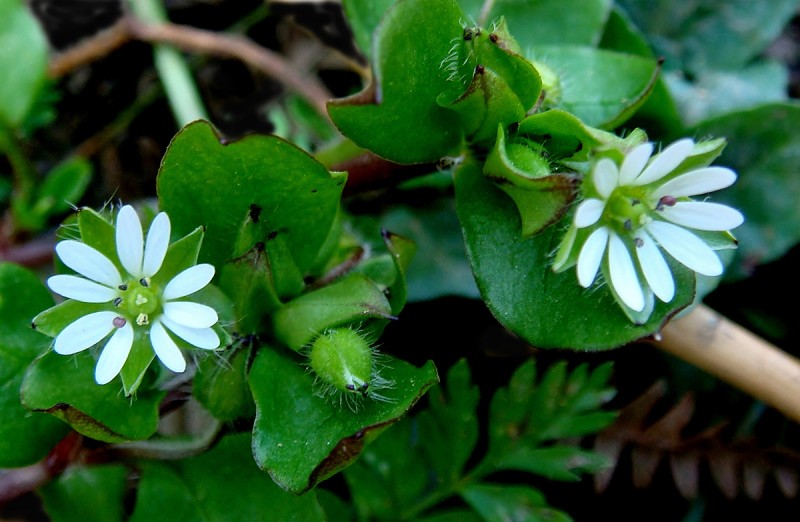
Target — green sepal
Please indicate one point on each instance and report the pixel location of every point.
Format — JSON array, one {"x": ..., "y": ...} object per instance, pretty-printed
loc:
[
  {"x": 97, "y": 232},
  {"x": 298, "y": 458},
  {"x": 137, "y": 363},
  {"x": 402, "y": 251},
  {"x": 51, "y": 321},
  {"x": 63, "y": 386},
  {"x": 181, "y": 254},
  {"x": 350, "y": 299},
  {"x": 541, "y": 196}
]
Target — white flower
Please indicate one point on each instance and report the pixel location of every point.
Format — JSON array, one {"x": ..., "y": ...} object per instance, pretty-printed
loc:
[
  {"x": 136, "y": 306},
  {"x": 639, "y": 205}
]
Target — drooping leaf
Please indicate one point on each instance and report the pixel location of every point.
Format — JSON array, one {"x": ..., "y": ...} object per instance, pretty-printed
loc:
[
  {"x": 25, "y": 437},
  {"x": 398, "y": 117},
  {"x": 301, "y": 438},
  {"x": 87, "y": 494},
  {"x": 220, "y": 484},
  {"x": 546, "y": 309},
  {"x": 364, "y": 16}
]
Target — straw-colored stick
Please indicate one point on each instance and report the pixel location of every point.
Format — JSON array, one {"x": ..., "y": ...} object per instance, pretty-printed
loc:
[{"x": 711, "y": 342}]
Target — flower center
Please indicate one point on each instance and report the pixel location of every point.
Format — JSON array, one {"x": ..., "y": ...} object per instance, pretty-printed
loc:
[
  {"x": 625, "y": 207},
  {"x": 139, "y": 300}
]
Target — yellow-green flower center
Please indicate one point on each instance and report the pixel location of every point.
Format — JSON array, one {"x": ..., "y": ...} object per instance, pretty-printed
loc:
[
  {"x": 627, "y": 207},
  {"x": 139, "y": 301}
]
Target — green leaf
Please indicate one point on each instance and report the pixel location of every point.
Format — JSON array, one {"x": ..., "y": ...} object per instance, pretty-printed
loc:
[
  {"x": 25, "y": 437},
  {"x": 713, "y": 93},
  {"x": 397, "y": 117},
  {"x": 554, "y": 462},
  {"x": 547, "y": 22},
  {"x": 703, "y": 35},
  {"x": 449, "y": 427},
  {"x": 349, "y": 299},
  {"x": 496, "y": 503},
  {"x": 561, "y": 405},
  {"x": 301, "y": 438},
  {"x": 363, "y": 16},
  {"x": 62, "y": 188},
  {"x": 64, "y": 387},
  {"x": 390, "y": 476},
  {"x": 402, "y": 251},
  {"x": 220, "y": 484},
  {"x": 762, "y": 148},
  {"x": 546, "y": 309},
  {"x": 203, "y": 182},
  {"x": 602, "y": 88},
  {"x": 87, "y": 494},
  {"x": 23, "y": 60}
]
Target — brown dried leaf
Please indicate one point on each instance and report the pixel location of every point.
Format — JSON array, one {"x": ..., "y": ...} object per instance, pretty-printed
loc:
[
  {"x": 724, "y": 469},
  {"x": 686, "y": 473}
]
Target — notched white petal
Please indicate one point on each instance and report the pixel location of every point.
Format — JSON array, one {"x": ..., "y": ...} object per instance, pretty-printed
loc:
[
  {"x": 193, "y": 315},
  {"x": 605, "y": 176},
  {"x": 156, "y": 245},
  {"x": 189, "y": 281},
  {"x": 695, "y": 182},
  {"x": 591, "y": 255},
  {"x": 114, "y": 355},
  {"x": 623, "y": 274},
  {"x": 130, "y": 242},
  {"x": 665, "y": 162},
  {"x": 589, "y": 212},
  {"x": 205, "y": 338},
  {"x": 655, "y": 268},
  {"x": 84, "y": 333},
  {"x": 81, "y": 289},
  {"x": 634, "y": 163},
  {"x": 88, "y": 262},
  {"x": 703, "y": 215},
  {"x": 165, "y": 348},
  {"x": 687, "y": 248}
]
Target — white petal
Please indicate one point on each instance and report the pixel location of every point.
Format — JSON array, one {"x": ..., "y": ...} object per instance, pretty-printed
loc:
[
  {"x": 588, "y": 212},
  {"x": 634, "y": 163},
  {"x": 694, "y": 182},
  {"x": 623, "y": 274},
  {"x": 591, "y": 255},
  {"x": 166, "y": 349},
  {"x": 193, "y": 315},
  {"x": 687, "y": 248},
  {"x": 655, "y": 268},
  {"x": 84, "y": 332},
  {"x": 703, "y": 216},
  {"x": 81, "y": 289},
  {"x": 130, "y": 243},
  {"x": 666, "y": 161},
  {"x": 156, "y": 246},
  {"x": 189, "y": 281},
  {"x": 114, "y": 355},
  {"x": 605, "y": 176},
  {"x": 88, "y": 262},
  {"x": 205, "y": 338}
]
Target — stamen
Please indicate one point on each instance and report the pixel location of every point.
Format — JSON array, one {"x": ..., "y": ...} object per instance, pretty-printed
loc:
[
  {"x": 639, "y": 242},
  {"x": 117, "y": 301},
  {"x": 628, "y": 225},
  {"x": 666, "y": 201},
  {"x": 123, "y": 287},
  {"x": 119, "y": 322},
  {"x": 635, "y": 202},
  {"x": 145, "y": 282},
  {"x": 142, "y": 320}
]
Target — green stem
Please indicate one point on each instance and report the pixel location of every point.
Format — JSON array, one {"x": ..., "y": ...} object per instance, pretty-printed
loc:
[
  {"x": 179, "y": 84},
  {"x": 475, "y": 475},
  {"x": 23, "y": 172}
]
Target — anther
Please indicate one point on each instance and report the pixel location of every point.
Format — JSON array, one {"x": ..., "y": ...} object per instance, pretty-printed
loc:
[
  {"x": 666, "y": 201},
  {"x": 145, "y": 282},
  {"x": 117, "y": 301},
  {"x": 639, "y": 242},
  {"x": 628, "y": 224},
  {"x": 635, "y": 202},
  {"x": 119, "y": 322},
  {"x": 123, "y": 287}
]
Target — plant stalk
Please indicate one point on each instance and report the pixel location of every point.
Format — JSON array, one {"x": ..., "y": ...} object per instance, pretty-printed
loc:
[{"x": 724, "y": 349}]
